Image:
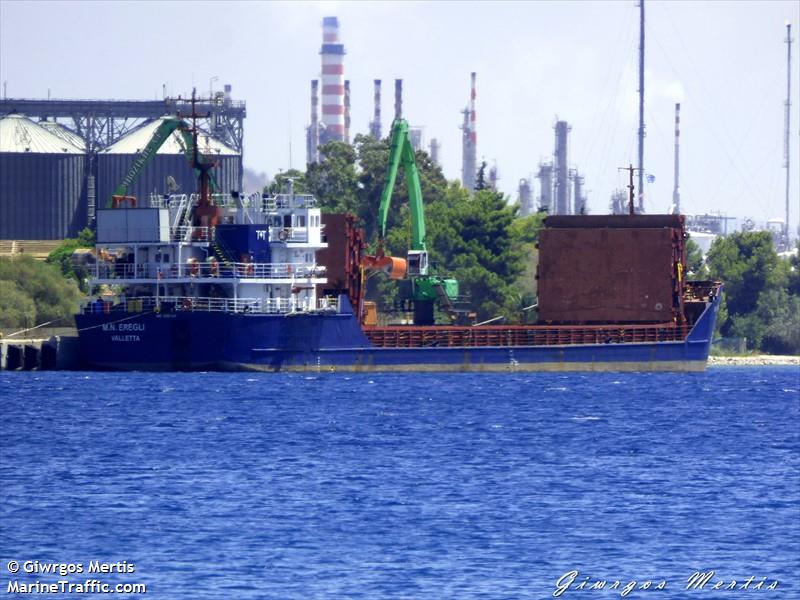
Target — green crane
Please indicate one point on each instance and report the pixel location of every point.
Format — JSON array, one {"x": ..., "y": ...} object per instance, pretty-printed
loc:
[
  {"x": 420, "y": 288},
  {"x": 165, "y": 129}
]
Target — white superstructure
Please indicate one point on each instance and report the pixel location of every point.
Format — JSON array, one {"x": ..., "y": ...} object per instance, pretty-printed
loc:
[{"x": 259, "y": 255}]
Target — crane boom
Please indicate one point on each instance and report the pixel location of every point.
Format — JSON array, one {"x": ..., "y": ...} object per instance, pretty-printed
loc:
[
  {"x": 424, "y": 291},
  {"x": 402, "y": 153},
  {"x": 160, "y": 135},
  {"x": 145, "y": 156}
]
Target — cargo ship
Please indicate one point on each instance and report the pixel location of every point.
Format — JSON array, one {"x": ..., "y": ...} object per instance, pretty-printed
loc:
[
  {"x": 270, "y": 283},
  {"x": 211, "y": 281}
]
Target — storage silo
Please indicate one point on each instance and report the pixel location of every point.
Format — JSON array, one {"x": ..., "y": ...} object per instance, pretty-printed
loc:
[
  {"x": 67, "y": 135},
  {"x": 42, "y": 194},
  {"x": 170, "y": 169}
]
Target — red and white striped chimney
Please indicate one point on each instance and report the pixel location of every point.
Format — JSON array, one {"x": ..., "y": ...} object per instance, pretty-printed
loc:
[
  {"x": 333, "y": 118},
  {"x": 347, "y": 111}
]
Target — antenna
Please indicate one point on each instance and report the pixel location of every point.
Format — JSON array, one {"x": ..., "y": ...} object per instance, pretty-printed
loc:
[
  {"x": 676, "y": 193},
  {"x": 641, "y": 106},
  {"x": 786, "y": 129}
]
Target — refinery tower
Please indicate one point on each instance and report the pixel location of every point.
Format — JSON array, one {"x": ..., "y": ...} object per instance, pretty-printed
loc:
[
  {"x": 333, "y": 85},
  {"x": 335, "y": 94}
]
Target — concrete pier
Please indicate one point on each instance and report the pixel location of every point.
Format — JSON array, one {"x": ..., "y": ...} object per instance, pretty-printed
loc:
[{"x": 54, "y": 353}]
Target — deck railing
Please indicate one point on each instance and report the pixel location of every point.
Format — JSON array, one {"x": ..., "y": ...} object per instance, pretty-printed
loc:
[
  {"x": 155, "y": 271},
  {"x": 187, "y": 233},
  {"x": 255, "y": 200},
  {"x": 170, "y": 304},
  {"x": 289, "y": 201},
  {"x": 521, "y": 335},
  {"x": 139, "y": 304}
]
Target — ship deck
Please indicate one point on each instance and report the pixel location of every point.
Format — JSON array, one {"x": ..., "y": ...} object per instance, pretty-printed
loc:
[{"x": 522, "y": 335}]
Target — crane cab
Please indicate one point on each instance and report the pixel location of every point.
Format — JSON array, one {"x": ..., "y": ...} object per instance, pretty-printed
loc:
[{"x": 417, "y": 262}]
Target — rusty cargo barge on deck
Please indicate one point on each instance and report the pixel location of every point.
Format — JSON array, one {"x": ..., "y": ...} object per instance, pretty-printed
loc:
[{"x": 276, "y": 286}]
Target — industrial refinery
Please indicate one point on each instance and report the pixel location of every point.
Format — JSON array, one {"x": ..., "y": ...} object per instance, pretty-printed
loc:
[{"x": 76, "y": 151}]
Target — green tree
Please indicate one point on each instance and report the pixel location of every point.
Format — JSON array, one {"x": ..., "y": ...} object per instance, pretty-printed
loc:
[
  {"x": 759, "y": 291},
  {"x": 694, "y": 261},
  {"x": 480, "y": 177},
  {"x": 779, "y": 311},
  {"x": 487, "y": 259},
  {"x": 54, "y": 296},
  {"x": 747, "y": 264},
  {"x": 333, "y": 180},
  {"x": 16, "y": 307},
  {"x": 62, "y": 256},
  {"x": 373, "y": 158},
  {"x": 793, "y": 276},
  {"x": 280, "y": 184},
  {"x": 524, "y": 232}
]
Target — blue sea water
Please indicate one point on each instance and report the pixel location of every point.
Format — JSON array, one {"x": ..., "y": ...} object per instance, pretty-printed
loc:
[{"x": 221, "y": 485}]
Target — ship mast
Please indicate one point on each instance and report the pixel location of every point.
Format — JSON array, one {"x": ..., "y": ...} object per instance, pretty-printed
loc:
[
  {"x": 204, "y": 168},
  {"x": 631, "y": 188}
]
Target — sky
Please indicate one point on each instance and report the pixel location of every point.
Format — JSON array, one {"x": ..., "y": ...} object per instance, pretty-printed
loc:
[{"x": 725, "y": 61}]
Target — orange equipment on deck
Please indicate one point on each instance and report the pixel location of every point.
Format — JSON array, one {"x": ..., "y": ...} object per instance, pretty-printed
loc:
[
  {"x": 127, "y": 201},
  {"x": 394, "y": 267}
]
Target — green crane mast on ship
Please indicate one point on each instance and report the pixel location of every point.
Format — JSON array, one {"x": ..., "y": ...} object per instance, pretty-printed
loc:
[
  {"x": 160, "y": 135},
  {"x": 421, "y": 288}
]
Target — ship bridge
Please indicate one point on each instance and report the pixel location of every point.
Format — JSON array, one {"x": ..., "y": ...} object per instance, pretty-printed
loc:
[{"x": 260, "y": 250}]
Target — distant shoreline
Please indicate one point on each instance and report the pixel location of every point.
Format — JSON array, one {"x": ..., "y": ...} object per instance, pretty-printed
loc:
[{"x": 759, "y": 360}]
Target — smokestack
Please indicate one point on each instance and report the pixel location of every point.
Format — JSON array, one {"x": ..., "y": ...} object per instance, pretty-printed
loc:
[
  {"x": 676, "y": 194},
  {"x": 580, "y": 199},
  {"x": 473, "y": 138},
  {"x": 375, "y": 125},
  {"x": 315, "y": 102},
  {"x": 493, "y": 177},
  {"x": 398, "y": 99},
  {"x": 561, "y": 165},
  {"x": 525, "y": 198},
  {"x": 312, "y": 133},
  {"x": 347, "y": 111},
  {"x": 545, "y": 177},
  {"x": 333, "y": 109},
  {"x": 435, "y": 147},
  {"x": 469, "y": 141}
]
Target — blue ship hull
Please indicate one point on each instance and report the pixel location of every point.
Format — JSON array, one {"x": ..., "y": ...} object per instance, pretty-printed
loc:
[{"x": 328, "y": 341}]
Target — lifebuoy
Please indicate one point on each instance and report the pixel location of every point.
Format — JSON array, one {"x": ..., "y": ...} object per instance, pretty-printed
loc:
[
  {"x": 250, "y": 269},
  {"x": 289, "y": 269},
  {"x": 283, "y": 235},
  {"x": 187, "y": 304}
]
